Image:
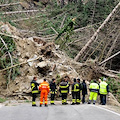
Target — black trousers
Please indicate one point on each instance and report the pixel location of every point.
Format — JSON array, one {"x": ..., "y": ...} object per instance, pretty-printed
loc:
[
  {"x": 83, "y": 98},
  {"x": 64, "y": 97},
  {"x": 52, "y": 97},
  {"x": 34, "y": 95},
  {"x": 103, "y": 99},
  {"x": 76, "y": 97}
]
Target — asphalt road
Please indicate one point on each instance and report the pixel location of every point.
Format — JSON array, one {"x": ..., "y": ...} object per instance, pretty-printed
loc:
[{"x": 58, "y": 112}]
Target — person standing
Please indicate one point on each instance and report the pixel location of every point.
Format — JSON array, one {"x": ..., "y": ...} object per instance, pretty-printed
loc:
[
  {"x": 64, "y": 90},
  {"x": 34, "y": 89},
  {"x": 44, "y": 88},
  {"x": 78, "y": 89},
  {"x": 74, "y": 92},
  {"x": 94, "y": 89},
  {"x": 53, "y": 91},
  {"x": 104, "y": 90},
  {"x": 84, "y": 91}
]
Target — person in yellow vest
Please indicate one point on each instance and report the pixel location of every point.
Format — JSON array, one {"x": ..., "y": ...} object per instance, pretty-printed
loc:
[
  {"x": 34, "y": 89},
  {"x": 94, "y": 89},
  {"x": 104, "y": 90}
]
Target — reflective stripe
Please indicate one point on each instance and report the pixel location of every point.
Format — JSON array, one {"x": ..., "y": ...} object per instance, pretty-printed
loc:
[
  {"x": 52, "y": 92},
  {"x": 73, "y": 100},
  {"x": 32, "y": 85},
  {"x": 78, "y": 101},
  {"x": 65, "y": 100},
  {"x": 52, "y": 101},
  {"x": 75, "y": 88},
  {"x": 45, "y": 102},
  {"x": 64, "y": 91},
  {"x": 33, "y": 103},
  {"x": 64, "y": 86},
  {"x": 41, "y": 103},
  {"x": 35, "y": 91}
]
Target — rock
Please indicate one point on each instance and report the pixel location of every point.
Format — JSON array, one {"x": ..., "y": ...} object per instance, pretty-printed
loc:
[
  {"x": 42, "y": 64},
  {"x": 31, "y": 63}
]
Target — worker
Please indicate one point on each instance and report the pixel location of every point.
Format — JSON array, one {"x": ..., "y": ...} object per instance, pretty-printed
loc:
[
  {"x": 64, "y": 90},
  {"x": 53, "y": 91},
  {"x": 44, "y": 88},
  {"x": 67, "y": 79},
  {"x": 94, "y": 89},
  {"x": 74, "y": 92},
  {"x": 84, "y": 91},
  {"x": 104, "y": 90},
  {"x": 99, "y": 80},
  {"x": 78, "y": 89},
  {"x": 34, "y": 89}
]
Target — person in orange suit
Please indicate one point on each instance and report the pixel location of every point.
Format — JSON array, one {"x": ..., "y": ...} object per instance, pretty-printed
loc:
[{"x": 44, "y": 88}]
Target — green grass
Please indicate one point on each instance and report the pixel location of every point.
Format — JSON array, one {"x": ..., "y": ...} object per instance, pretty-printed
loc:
[{"x": 2, "y": 100}]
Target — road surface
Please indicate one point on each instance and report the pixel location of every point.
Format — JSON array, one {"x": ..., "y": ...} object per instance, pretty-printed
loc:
[{"x": 58, "y": 112}]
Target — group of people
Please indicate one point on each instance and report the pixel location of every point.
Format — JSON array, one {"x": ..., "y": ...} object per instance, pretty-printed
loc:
[
  {"x": 64, "y": 87},
  {"x": 96, "y": 89}
]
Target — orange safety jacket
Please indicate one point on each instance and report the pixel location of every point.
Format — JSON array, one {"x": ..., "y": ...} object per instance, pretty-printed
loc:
[{"x": 44, "y": 86}]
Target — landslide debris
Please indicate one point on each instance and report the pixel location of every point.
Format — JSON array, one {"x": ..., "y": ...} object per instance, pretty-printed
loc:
[{"x": 43, "y": 59}]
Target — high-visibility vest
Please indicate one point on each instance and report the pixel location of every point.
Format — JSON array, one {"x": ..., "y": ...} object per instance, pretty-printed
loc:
[
  {"x": 94, "y": 87},
  {"x": 103, "y": 88}
]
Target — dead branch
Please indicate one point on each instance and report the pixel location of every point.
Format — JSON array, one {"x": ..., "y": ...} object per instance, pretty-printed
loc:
[
  {"x": 112, "y": 47},
  {"x": 89, "y": 26},
  {"x": 54, "y": 30},
  {"x": 109, "y": 58},
  {"x": 22, "y": 19},
  {"x": 16, "y": 12},
  {"x": 113, "y": 71},
  {"x": 109, "y": 74},
  {"x": 4, "y": 5},
  {"x": 12, "y": 36},
  {"x": 20, "y": 64},
  {"x": 62, "y": 22},
  {"x": 96, "y": 33}
]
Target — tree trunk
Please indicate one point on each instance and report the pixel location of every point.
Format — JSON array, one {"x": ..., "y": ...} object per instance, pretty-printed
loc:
[
  {"x": 109, "y": 58},
  {"x": 96, "y": 33}
]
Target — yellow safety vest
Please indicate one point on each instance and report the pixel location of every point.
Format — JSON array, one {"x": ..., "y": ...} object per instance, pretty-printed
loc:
[{"x": 103, "y": 88}]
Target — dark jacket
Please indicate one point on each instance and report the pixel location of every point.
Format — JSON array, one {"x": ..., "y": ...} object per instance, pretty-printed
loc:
[
  {"x": 34, "y": 85},
  {"x": 76, "y": 87},
  {"x": 53, "y": 87},
  {"x": 64, "y": 87},
  {"x": 84, "y": 88}
]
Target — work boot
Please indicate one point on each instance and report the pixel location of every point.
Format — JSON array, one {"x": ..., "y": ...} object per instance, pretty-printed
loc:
[
  {"x": 52, "y": 103},
  {"x": 93, "y": 103},
  {"x": 34, "y": 105},
  {"x": 40, "y": 105},
  {"x": 46, "y": 105},
  {"x": 77, "y": 103},
  {"x": 89, "y": 103},
  {"x": 73, "y": 104},
  {"x": 66, "y": 103}
]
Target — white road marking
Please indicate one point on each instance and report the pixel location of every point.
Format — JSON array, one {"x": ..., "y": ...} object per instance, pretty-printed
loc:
[{"x": 107, "y": 110}]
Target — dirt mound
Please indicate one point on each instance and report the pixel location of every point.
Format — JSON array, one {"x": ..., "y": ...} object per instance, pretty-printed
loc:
[{"x": 43, "y": 60}]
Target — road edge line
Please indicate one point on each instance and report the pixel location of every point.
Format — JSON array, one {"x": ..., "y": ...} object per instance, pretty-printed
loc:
[{"x": 107, "y": 110}]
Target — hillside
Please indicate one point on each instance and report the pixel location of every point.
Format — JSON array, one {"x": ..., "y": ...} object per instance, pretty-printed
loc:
[{"x": 28, "y": 31}]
